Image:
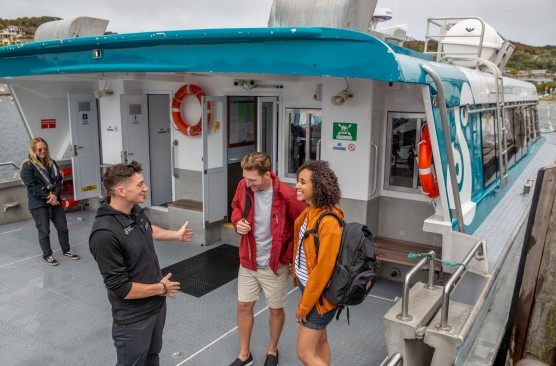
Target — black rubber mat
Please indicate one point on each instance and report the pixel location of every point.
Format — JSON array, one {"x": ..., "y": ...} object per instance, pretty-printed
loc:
[{"x": 207, "y": 271}]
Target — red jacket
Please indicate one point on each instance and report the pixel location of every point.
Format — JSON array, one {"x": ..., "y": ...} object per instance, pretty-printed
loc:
[{"x": 285, "y": 209}]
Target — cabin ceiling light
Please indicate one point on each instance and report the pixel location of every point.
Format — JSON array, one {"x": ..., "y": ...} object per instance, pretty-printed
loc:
[
  {"x": 252, "y": 84},
  {"x": 245, "y": 84}
]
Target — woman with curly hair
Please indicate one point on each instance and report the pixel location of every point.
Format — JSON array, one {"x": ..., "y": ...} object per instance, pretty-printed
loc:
[
  {"x": 42, "y": 177},
  {"x": 317, "y": 185}
]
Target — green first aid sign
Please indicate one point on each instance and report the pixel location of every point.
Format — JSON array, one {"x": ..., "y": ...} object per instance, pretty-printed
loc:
[{"x": 344, "y": 131}]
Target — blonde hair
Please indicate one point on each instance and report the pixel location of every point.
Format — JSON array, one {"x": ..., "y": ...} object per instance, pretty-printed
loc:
[
  {"x": 258, "y": 161},
  {"x": 33, "y": 152}
]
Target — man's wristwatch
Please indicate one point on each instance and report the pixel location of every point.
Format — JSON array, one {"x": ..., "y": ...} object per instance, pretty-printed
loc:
[{"x": 164, "y": 290}]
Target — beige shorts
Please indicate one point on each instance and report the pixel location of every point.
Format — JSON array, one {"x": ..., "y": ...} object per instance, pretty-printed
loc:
[{"x": 275, "y": 287}]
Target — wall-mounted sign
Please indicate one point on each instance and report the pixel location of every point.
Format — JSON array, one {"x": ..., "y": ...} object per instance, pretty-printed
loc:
[
  {"x": 344, "y": 131},
  {"x": 339, "y": 146},
  {"x": 48, "y": 123}
]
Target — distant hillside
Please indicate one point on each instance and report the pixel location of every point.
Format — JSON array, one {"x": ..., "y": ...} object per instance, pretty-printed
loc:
[
  {"x": 29, "y": 24},
  {"x": 525, "y": 57}
]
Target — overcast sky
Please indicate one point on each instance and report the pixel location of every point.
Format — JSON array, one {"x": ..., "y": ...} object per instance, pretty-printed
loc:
[{"x": 527, "y": 21}]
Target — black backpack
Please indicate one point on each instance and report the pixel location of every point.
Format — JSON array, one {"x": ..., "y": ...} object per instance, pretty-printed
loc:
[{"x": 354, "y": 273}]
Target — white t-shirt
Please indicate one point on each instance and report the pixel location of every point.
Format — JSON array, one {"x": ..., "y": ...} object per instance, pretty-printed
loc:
[{"x": 263, "y": 236}]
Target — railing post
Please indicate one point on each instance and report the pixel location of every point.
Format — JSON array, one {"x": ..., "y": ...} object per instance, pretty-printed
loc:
[
  {"x": 395, "y": 360},
  {"x": 404, "y": 315},
  {"x": 451, "y": 284}
]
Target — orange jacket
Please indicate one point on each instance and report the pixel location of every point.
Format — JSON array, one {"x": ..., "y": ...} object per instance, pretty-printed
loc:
[{"x": 319, "y": 269}]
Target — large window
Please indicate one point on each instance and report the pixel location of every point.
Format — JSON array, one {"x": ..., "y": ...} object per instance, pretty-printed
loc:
[
  {"x": 490, "y": 152},
  {"x": 404, "y": 133},
  {"x": 303, "y": 141}
]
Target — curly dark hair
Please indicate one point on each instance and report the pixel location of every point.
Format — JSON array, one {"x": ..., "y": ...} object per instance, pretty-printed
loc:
[
  {"x": 326, "y": 190},
  {"x": 119, "y": 173}
]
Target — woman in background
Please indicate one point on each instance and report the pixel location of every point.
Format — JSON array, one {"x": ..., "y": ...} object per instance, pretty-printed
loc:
[
  {"x": 42, "y": 177},
  {"x": 317, "y": 185}
]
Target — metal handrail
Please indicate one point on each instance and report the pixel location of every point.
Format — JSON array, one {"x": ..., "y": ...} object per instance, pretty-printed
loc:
[
  {"x": 404, "y": 315},
  {"x": 448, "y": 143},
  {"x": 395, "y": 360},
  {"x": 443, "y": 29},
  {"x": 8, "y": 163},
  {"x": 375, "y": 146},
  {"x": 453, "y": 281}
]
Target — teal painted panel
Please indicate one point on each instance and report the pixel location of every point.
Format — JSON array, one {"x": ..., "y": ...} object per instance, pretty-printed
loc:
[{"x": 291, "y": 51}]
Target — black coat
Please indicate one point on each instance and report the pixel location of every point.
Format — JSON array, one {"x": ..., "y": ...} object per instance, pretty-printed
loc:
[{"x": 37, "y": 189}]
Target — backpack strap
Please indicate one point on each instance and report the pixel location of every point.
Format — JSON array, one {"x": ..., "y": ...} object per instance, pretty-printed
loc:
[
  {"x": 315, "y": 230},
  {"x": 247, "y": 203}
]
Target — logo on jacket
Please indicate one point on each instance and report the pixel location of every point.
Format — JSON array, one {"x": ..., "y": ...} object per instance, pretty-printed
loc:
[{"x": 128, "y": 229}]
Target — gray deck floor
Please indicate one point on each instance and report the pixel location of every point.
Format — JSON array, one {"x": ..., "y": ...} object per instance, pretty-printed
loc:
[
  {"x": 502, "y": 225},
  {"x": 61, "y": 315}
]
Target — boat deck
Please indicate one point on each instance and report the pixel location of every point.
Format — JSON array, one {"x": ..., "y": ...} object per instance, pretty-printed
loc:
[{"x": 61, "y": 315}]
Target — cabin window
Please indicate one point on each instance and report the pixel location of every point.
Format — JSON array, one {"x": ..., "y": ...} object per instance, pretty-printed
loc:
[
  {"x": 510, "y": 137},
  {"x": 404, "y": 133},
  {"x": 490, "y": 153},
  {"x": 303, "y": 141},
  {"x": 519, "y": 130}
]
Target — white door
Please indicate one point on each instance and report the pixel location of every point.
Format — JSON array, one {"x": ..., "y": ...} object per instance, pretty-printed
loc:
[
  {"x": 267, "y": 127},
  {"x": 135, "y": 135},
  {"x": 160, "y": 149},
  {"x": 215, "y": 175},
  {"x": 85, "y": 160}
]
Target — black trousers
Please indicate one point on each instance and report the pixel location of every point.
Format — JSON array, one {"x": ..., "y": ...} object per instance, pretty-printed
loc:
[
  {"x": 139, "y": 344},
  {"x": 42, "y": 217}
]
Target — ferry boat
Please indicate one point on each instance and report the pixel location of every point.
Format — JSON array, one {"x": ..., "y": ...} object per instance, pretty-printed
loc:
[{"x": 431, "y": 151}]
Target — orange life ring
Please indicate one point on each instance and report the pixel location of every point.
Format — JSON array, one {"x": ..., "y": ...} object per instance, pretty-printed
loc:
[
  {"x": 197, "y": 92},
  {"x": 429, "y": 184},
  {"x": 65, "y": 172}
]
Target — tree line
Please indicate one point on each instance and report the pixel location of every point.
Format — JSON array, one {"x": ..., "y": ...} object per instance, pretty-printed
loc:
[{"x": 525, "y": 57}]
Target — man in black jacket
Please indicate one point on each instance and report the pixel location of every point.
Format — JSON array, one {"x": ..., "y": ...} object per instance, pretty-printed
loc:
[{"x": 121, "y": 242}]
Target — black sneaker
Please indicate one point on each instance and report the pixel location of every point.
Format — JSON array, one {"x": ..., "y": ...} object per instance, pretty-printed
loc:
[
  {"x": 50, "y": 260},
  {"x": 247, "y": 362},
  {"x": 69, "y": 254},
  {"x": 271, "y": 360}
]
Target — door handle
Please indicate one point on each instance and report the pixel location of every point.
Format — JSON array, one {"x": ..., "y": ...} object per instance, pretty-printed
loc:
[
  {"x": 74, "y": 148},
  {"x": 173, "y": 158}
]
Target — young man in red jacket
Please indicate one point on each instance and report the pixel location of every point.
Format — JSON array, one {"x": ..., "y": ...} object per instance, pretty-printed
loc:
[{"x": 264, "y": 211}]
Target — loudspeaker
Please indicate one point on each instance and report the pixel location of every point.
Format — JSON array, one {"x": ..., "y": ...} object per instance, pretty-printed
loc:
[{"x": 340, "y": 98}]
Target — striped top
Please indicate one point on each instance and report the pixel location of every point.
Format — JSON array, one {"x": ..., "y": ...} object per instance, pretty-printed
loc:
[{"x": 300, "y": 261}]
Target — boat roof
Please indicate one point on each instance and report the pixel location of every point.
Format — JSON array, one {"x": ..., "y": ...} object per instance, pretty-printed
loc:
[
  {"x": 297, "y": 51},
  {"x": 304, "y": 51}
]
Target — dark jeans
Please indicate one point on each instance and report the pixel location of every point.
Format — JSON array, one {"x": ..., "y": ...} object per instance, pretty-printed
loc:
[
  {"x": 139, "y": 344},
  {"x": 42, "y": 216}
]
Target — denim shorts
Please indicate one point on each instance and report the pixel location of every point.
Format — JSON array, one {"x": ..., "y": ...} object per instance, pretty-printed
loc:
[{"x": 314, "y": 319}]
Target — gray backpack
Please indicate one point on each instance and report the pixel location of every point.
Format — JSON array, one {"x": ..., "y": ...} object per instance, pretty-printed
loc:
[{"x": 354, "y": 273}]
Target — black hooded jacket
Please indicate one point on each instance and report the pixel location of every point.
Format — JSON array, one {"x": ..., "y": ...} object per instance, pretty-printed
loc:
[{"x": 122, "y": 246}]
